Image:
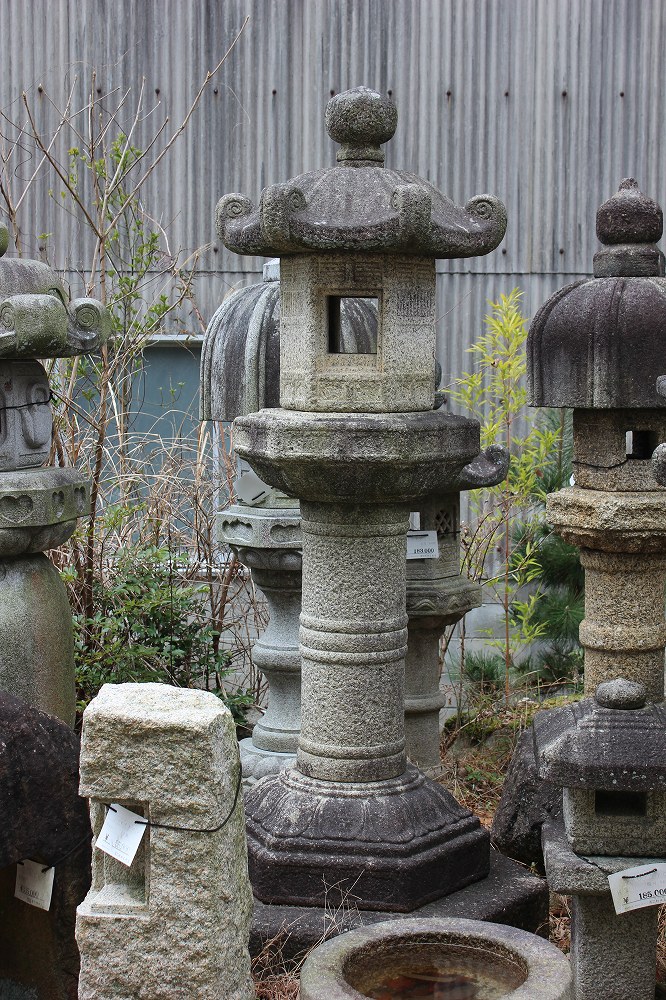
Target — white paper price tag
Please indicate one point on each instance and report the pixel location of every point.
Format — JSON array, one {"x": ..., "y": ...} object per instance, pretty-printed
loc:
[
  {"x": 121, "y": 835},
  {"x": 633, "y": 888},
  {"x": 250, "y": 489},
  {"x": 33, "y": 884},
  {"x": 422, "y": 545}
]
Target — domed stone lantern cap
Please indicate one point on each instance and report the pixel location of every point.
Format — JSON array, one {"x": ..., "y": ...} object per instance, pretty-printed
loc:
[
  {"x": 600, "y": 342},
  {"x": 614, "y": 741},
  {"x": 362, "y": 209},
  {"x": 36, "y": 318}
]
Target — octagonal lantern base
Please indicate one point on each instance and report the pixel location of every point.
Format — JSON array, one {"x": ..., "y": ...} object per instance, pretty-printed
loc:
[{"x": 388, "y": 845}]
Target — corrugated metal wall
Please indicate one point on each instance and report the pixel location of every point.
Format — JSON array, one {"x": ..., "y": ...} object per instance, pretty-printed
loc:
[{"x": 546, "y": 103}]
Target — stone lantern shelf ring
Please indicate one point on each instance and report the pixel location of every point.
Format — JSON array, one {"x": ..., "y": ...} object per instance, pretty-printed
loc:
[{"x": 357, "y": 441}]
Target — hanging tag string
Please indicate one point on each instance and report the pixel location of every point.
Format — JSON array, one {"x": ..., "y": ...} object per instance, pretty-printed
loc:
[
  {"x": 79, "y": 844},
  {"x": 26, "y": 406},
  {"x": 190, "y": 829},
  {"x": 641, "y": 874}
]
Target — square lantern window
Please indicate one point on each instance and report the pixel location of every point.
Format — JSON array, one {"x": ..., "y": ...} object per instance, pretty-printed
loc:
[
  {"x": 641, "y": 443},
  {"x": 344, "y": 330},
  {"x": 620, "y": 803}
]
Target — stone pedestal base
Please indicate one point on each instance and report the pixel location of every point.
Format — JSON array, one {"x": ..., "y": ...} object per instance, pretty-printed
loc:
[
  {"x": 395, "y": 844},
  {"x": 509, "y": 895},
  {"x": 611, "y": 956}
]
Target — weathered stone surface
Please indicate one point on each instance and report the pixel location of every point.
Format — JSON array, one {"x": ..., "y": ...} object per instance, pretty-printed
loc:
[
  {"x": 510, "y": 894},
  {"x": 39, "y": 508},
  {"x": 437, "y": 596},
  {"x": 613, "y": 448},
  {"x": 267, "y": 539},
  {"x": 527, "y": 803},
  {"x": 356, "y": 441},
  {"x": 599, "y": 343},
  {"x": 394, "y": 845},
  {"x": 43, "y": 819},
  {"x": 37, "y": 650},
  {"x": 623, "y": 543},
  {"x": 240, "y": 358},
  {"x": 365, "y": 208},
  {"x": 609, "y": 758},
  {"x": 350, "y": 965},
  {"x": 36, "y": 319},
  {"x": 317, "y": 373},
  {"x": 176, "y": 923},
  {"x": 592, "y": 745},
  {"x": 25, "y": 415},
  {"x": 610, "y": 954},
  {"x": 367, "y": 458}
]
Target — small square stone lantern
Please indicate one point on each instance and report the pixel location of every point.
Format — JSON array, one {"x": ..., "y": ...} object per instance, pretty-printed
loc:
[
  {"x": 357, "y": 440},
  {"x": 607, "y": 753}
]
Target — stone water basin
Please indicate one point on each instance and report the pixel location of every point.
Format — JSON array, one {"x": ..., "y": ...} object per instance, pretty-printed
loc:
[{"x": 440, "y": 959}]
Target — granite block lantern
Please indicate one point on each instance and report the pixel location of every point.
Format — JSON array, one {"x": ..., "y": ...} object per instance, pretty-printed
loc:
[
  {"x": 240, "y": 374},
  {"x": 607, "y": 753},
  {"x": 597, "y": 346},
  {"x": 358, "y": 442},
  {"x": 39, "y": 506}
]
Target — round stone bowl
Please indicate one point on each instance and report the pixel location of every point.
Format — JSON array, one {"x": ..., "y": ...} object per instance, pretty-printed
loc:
[{"x": 498, "y": 962}]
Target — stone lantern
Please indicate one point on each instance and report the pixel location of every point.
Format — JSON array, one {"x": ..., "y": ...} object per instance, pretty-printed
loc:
[
  {"x": 240, "y": 373},
  {"x": 358, "y": 442},
  {"x": 607, "y": 753},
  {"x": 438, "y": 596},
  {"x": 39, "y": 506},
  {"x": 597, "y": 346}
]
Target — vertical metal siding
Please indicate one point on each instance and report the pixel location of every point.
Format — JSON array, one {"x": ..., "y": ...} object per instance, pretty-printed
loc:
[{"x": 546, "y": 103}]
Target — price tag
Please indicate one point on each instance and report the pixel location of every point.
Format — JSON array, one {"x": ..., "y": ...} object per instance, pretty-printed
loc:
[
  {"x": 250, "y": 489},
  {"x": 33, "y": 884},
  {"x": 422, "y": 545},
  {"x": 634, "y": 888},
  {"x": 121, "y": 834}
]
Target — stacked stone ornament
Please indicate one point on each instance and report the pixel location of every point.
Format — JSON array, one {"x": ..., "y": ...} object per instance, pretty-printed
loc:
[
  {"x": 597, "y": 346},
  {"x": 38, "y": 506},
  {"x": 358, "y": 442},
  {"x": 607, "y": 753}
]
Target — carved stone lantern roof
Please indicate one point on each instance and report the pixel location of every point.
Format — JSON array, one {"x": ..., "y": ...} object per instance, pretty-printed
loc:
[
  {"x": 37, "y": 320},
  {"x": 614, "y": 741},
  {"x": 358, "y": 207},
  {"x": 598, "y": 343}
]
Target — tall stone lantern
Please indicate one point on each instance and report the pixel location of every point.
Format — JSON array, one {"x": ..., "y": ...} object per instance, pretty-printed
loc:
[
  {"x": 39, "y": 506},
  {"x": 597, "y": 346},
  {"x": 357, "y": 441}
]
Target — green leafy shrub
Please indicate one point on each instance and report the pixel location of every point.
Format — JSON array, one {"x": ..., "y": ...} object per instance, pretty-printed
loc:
[{"x": 149, "y": 624}]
